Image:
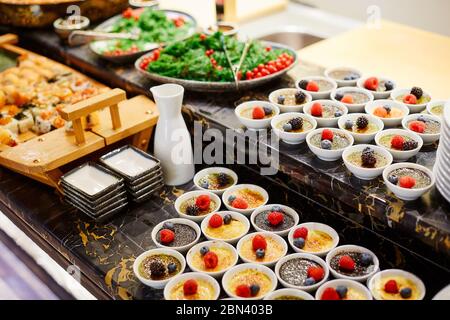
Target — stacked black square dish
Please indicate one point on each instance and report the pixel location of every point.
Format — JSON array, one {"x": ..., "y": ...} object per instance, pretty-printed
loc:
[
  {"x": 142, "y": 172},
  {"x": 95, "y": 190}
]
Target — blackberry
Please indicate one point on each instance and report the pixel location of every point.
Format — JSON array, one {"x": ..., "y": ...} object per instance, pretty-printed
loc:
[
  {"x": 338, "y": 96},
  {"x": 157, "y": 269},
  {"x": 296, "y": 123},
  {"x": 368, "y": 158},
  {"x": 362, "y": 122},
  {"x": 418, "y": 92},
  {"x": 410, "y": 145},
  {"x": 368, "y": 150},
  {"x": 389, "y": 85},
  {"x": 192, "y": 210},
  {"x": 303, "y": 84},
  {"x": 281, "y": 99},
  {"x": 300, "y": 97},
  {"x": 222, "y": 179}
]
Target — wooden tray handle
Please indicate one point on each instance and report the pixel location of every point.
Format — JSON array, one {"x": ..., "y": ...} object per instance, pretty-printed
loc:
[
  {"x": 75, "y": 112},
  {"x": 8, "y": 38}
]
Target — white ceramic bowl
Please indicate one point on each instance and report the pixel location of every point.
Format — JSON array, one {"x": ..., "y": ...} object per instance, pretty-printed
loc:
[
  {"x": 328, "y": 155},
  {"x": 352, "y": 248},
  {"x": 400, "y": 155},
  {"x": 246, "y": 266},
  {"x": 207, "y": 171},
  {"x": 361, "y": 137},
  {"x": 285, "y": 108},
  {"x": 221, "y": 244},
  {"x": 287, "y": 210},
  {"x": 376, "y": 94},
  {"x": 192, "y": 275},
  {"x": 235, "y": 215},
  {"x": 302, "y": 295},
  {"x": 366, "y": 173},
  {"x": 427, "y": 138},
  {"x": 356, "y": 107},
  {"x": 388, "y": 122},
  {"x": 292, "y": 137},
  {"x": 157, "y": 284},
  {"x": 265, "y": 234},
  {"x": 191, "y": 194},
  {"x": 435, "y": 103},
  {"x": 347, "y": 283},
  {"x": 326, "y": 122},
  {"x": 187, "y": 222},
  {"x": 302, "y": 256},
  {"x": 403, "y": 193},
  {"x": 255, "y": 124},
  {"x": 314, "y": 226},
  {"x": 247, "y": 211},
  {"x": 343, "y": 83},
  {"x": 395, "y": 273},
  {"x": 320, "y": 94},
  {"x": 414, "y": 108}
]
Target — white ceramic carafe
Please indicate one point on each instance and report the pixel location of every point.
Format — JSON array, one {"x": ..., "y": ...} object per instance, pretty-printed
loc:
[{"x": 172, "y": 139}]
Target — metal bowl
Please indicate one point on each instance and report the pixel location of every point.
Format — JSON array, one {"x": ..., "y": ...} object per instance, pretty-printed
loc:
[
  {"x": 232, "y": 28},
  {"x": 64, "y": 31},
  {"x": 144, "y": 3},
  {"x": 208, "y": 86}
]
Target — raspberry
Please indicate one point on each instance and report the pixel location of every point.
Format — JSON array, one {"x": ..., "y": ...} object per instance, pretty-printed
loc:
[
  {"x": 190, "y": 287},
  {"x": 301, "y": 233},
  {"x": 330, "y": 294},
  {"x": 275, "y": 218},
  {"x": 346, "y": 263},
  {"x": 259, "y": 242},
  {"x": 391, "y": 286},
  {"x": 410, "y": 99},
  {"x": 397, "y": 142},
  {"x": 417, "y": 126},
  {"x": 243, "y": 291},
  {"x": 203, "y": 202},
  {"x": 380, "y": 112},
  {"x": 215, "y": 221},
  {"x": 371, "y": 84},
  {"x": 327, "y": 134},
  {"x": 166, "y": 236},
  {"x": 211, "y": 260},
  {"x": 317, "y": 273},
  {"x": 239, "y": 203},
  {"x": 316, "y": 110},
  {"x": 312, "y": 86},
  {"x": 407, "y": 182},
  {"x": 348, "y": 99},
  {"x": 258, "y": 113}
]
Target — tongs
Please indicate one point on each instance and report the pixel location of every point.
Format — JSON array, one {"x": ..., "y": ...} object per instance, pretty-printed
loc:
[
  {"x": 236, "y": 67},
  {"x": 80, "y": 37}
]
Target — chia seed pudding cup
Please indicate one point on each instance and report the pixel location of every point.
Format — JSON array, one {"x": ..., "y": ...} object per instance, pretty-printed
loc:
[
  {"x": 326, "y": 86},
  {"x": 260, "y": 222},
  {"x": 292, "y": 271},
  {"x": 187, "y": 234},
  {"x": 436, "y": 108},
  {"x": 341, "y": 141},
  {"x": 361, "y": 271},
  {"x": 428, "y": 136},
  {"x": 353, "y": 153},
  {"x": 189, "y": 198},
  {"x": 381, "y": 92},
  {"x": 289, "y": 102},
  {"x": 330, "y": 107},
  {"x": 204, "y": 175},
  {"x": 360, "y": 96},
  {"x": 344, "y": 76},
  {"x": 374, "y": 126},
  {"x": 398, "y": 94},
  {"x": 383, "y": 139}
]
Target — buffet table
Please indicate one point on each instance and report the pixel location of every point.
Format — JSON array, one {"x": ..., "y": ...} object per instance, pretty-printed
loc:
[{"x": 414, "y": 236}]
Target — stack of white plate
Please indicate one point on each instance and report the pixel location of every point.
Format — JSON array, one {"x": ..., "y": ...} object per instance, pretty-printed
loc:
[{"x": 442, "y": 166}]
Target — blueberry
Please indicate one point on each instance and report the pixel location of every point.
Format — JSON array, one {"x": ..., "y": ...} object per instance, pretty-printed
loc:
[
  {"x": 171, "y": 267},
  {"x": 204, "y": 185},
  {"x": 326, "y": 144},
  {"x": 260, "y": 253},
  {"x": 254, "y": 290},
  {"x": 227, "y": 219},
  {"x": 277, "y": 209},
  {"x": 231, "y": 198},
  {"x": 366, "y": 259},
  {"x": 309, "y": 281},
  {"x": 393, "y": 179},
  {"x": 348, "y": 78},
  {"x": 338, "y": 113},
  {"x": 342, "y": 291},
  {"x": 299, "y": 243},
  {"x": 338, "y": 96},
  {"x": 355, "y": 76},
  {"x": 281, "y": 99},
  {"x": 421, "y": 118},
  {"x": 406, "y": 293},
  {"x": 348, "y": 124},
  {"x": 168, "y": 225},
  {"x": 287, "y": 127},
  {"x": 267, "y": 110},
  {"x": 389, "y": 85},
  {"x": 204, "y": 250}
]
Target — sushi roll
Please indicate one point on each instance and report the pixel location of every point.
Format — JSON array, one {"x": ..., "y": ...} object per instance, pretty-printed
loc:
[
  {"x": 9, "y": 123},
  {"x": 43, "y": 123},
  {"x": 8, "y": 138},
  {"x": 58, "y": 122},
  {"x": 25, "y": 121}
]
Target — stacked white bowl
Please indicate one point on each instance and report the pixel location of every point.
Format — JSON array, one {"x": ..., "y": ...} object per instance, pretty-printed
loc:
[{"x": 442, "y": 168}]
